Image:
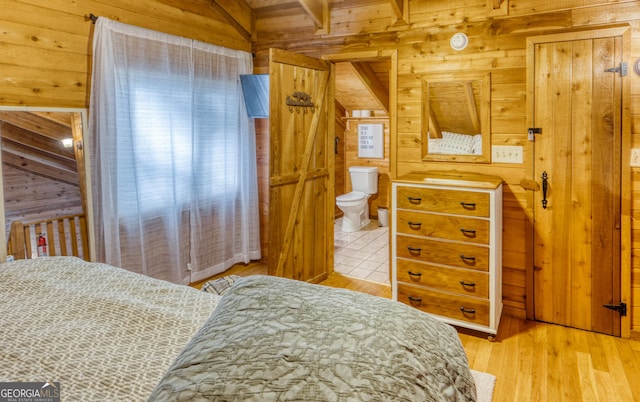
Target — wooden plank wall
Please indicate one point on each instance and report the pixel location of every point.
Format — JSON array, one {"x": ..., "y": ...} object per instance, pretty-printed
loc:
[
  {"x": 262, "y": 155},
  {"x": 497, "y": 44},
  {"x": 31, "y": 197},
  {"x": 381, "y": 199},
  {"x": 45, "y": 46}
]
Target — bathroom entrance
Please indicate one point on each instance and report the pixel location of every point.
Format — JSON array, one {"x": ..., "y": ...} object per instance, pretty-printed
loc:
[{"x": 363, "y": 99}]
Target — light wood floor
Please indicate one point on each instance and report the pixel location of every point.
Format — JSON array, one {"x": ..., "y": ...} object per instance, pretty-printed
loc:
[{"x": 533, "y": 361}]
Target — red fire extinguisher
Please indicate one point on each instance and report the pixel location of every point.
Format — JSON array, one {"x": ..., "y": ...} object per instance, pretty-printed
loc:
[{"x": 42, "y": 245}]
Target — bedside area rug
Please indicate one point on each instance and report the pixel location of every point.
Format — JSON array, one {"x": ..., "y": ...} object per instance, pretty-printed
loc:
[{"x": 485, "y": 383}]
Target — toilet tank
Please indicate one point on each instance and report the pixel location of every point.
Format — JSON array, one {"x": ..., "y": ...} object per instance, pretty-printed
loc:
[{"x": 364, "y": 179}]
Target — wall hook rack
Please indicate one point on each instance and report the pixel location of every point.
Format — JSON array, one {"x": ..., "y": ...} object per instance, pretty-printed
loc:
[{"x": 300, "y": 101}]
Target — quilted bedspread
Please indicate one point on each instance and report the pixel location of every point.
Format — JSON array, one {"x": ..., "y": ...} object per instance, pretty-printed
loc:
[
  {"x": 104, "y": 333},
  {"x": 277, "y": 339}
]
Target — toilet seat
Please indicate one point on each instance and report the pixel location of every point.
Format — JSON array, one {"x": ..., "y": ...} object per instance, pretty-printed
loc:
[{"x": 352, "y": 196}]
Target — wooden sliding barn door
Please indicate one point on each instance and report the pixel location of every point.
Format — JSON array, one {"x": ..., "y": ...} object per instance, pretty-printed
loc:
[
  {"x": 577, "y": 213},
  {"x": 301, "y": 166}
]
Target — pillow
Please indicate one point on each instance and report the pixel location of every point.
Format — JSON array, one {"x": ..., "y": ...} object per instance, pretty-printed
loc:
[
  {"x": 434, "y": 145},
  {"x": 454, "y": 143},
  {"x": 220, "y": 286},
  {"x": 477, "y": 144}
]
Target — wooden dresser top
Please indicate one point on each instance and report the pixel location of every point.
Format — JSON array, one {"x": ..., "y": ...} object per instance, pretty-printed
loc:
[{"x": 452, "y": 178}]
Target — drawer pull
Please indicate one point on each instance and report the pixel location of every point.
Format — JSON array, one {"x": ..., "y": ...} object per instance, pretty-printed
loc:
[
  {"x": 414, "y": 225},
  {"x": 470, "y": 284},
  {"x": 414, "y": 299},
  {"x": 414, "y": 250},
  {"x": 414, "y": 200},
  {"x": 467, "y": 310},
  {"x": 469, "y": 259},
  {"x": 418, "y": 274},
  {"x": 468, "y": 205},
  {"x": 468, "y": 232}
]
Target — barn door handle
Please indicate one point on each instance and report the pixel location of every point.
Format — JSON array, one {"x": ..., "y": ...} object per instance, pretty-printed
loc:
[{"x": 545, "y": 187}]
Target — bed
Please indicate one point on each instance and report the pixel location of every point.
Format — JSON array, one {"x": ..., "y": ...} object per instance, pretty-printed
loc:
[{"x": 108, "y": 334}]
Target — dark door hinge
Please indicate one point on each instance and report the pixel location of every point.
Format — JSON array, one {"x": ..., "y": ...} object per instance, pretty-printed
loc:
[
  {"x": 622, "y": 68},
  {"x": 621, "y": 308}
]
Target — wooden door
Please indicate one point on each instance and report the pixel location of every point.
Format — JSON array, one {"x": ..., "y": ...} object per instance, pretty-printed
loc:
[
  {"x": 301, "y": 195},
  {"x": 577, "y": 220}
]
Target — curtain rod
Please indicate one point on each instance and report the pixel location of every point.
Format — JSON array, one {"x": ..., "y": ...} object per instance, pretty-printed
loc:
[{"x": 91, "y": 17}]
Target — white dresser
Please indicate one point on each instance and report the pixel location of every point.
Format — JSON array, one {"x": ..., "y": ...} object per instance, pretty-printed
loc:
[{"x": 446, "y": 246}]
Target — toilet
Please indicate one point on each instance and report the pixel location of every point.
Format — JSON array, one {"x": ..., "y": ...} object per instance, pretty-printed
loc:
[{"x": 355, "y": 205}]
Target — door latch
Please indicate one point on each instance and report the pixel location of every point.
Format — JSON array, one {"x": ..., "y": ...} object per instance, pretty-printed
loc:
[
  {"x": 621, "y": 308},
  {"x": 532, "y": 131},
  {"x": 621, "y": 68}
]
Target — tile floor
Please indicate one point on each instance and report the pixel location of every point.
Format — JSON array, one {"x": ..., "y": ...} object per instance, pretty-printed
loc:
[{"x": 363, "y": 254}]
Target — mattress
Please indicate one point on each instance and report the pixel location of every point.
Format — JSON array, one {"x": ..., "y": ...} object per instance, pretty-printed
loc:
[
  {"x": 104, "y": 333},
  {"x": 107, "y": 334}
]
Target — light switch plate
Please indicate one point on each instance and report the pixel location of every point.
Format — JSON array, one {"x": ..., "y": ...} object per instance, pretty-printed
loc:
[
  {"x": 635, "y": 157},
  {"x": 506, "y": 154}
]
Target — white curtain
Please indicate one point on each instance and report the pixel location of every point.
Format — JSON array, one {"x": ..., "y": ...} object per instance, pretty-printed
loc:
[{"x": 172, "y": 155}]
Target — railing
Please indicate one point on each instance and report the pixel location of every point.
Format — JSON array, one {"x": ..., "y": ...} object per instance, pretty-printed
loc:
[{"x": 66, "y": 235}]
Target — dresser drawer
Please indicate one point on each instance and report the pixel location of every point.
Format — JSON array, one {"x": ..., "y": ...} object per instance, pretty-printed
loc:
[
  {"x": 461, "y": 281},
  {"x": 444, "y": 304},
  {"x": 442, "y": 252},
  {"x": 472, "y": 230},
  {"x": 456, "y": 202}
]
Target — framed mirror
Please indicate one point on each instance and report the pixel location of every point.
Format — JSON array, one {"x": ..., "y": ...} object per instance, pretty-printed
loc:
[{"x": 456, "y": 117}]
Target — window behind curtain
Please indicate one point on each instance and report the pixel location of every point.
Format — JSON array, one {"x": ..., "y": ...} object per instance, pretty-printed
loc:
[
  {"x": 164, "y": 141},
  {"x": 174, "y": 155}
]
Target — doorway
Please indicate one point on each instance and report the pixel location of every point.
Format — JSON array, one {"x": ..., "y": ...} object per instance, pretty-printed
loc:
[
  {"x": 44, "y": 182},
  {"x": 576, "y": 106},
  {"x": 365, "y": 93}
]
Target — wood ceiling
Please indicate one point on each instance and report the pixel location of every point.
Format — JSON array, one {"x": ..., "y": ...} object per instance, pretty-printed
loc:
[
  {"x": 359, "y": 85},
  {"x": 31, "y": 141},
  {"x": 40, "y": 175},
  {"x": 358, "y": 90},
  {"x": 242, "y": 14}
]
